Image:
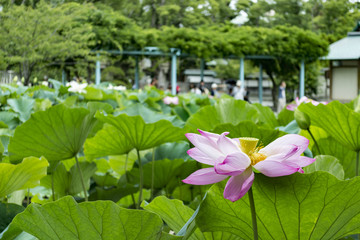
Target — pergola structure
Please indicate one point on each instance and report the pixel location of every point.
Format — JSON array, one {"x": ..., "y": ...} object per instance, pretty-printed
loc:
[{"x": 175, "y": 53}]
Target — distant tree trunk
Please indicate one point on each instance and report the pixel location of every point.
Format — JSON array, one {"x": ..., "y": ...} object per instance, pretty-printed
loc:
[
  {"x": 154, "y": 17},
  {"x": 26, "y": 72},
  {"x": 274, "y": 90}
]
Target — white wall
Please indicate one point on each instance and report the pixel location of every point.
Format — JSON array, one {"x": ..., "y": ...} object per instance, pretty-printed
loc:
[{"x": 344, "y": 83}]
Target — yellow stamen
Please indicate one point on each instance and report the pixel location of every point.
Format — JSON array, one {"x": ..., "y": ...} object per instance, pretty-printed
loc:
[
  {"x": 248, "y": 146},
  {"x": 257, "y": 157}
]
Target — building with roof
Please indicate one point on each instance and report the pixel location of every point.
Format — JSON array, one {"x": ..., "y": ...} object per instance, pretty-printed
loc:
[{"x": 344, "y": 74}]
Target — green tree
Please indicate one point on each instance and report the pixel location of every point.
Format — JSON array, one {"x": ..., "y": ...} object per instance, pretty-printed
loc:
[{"x": 32, "y": 38}]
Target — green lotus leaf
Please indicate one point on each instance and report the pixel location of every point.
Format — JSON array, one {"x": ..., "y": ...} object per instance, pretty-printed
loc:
[
  {"x": 42, "y": 104},
  {"x": 7, "y": 212},
  {"x": 225, "y": 111},
  {"x": 57, "y": 134},
  {"x": 143, "y": 135},
  {"x": 10, "y": 119},
  {"x": 65, "y": 219},
  {"x": 93, "y": 108},
  {"x": 165, "y": 171},
  {"x": 149, "y": 115},
  {"x": 328, "y": 164},
  {"x": 266, "y": 115},
  {"x": 93, "y": 93},
  {"x": 346, "y": 157},
  {"x": 181, "y": 112},
  {"x": 299, "y": 206},
  {"x": 170, "y": 151},
  {"x": 174, "y": 213},
  {"x": 108, "y": 141},
  {"x": 69, "y": 182},
  {"x": 329, "y": 146},
  {"x": 249, "y": 129},
  {"x": 113, "y": 193},
  {"x": 122, "y": 163},
  {"x": 285, "y": 117},
  {"x": 339, "y": 121},
  {"x": 27, "y": 174},
  {"x": 23, "y": 106}
]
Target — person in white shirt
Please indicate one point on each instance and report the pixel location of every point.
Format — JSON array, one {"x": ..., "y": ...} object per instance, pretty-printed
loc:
[
  {"x": 238, "y": 91},
  {"x": 194, "y": 89},
  {"x": 281, "y": 97}
]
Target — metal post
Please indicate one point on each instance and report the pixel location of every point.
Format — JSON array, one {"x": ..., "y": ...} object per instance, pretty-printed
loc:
[
  {"x": 242, "y": 73},
  {"x": 173, "y": 71},
  {"x": 63, "y": 77},
  {"x": 260, "y": 84},
  {"x": 302, "y": 79},
  {"x": 136, "y": 72},
  {"x": 98, "y": 70},
  {"x": 202, "y": 65}
]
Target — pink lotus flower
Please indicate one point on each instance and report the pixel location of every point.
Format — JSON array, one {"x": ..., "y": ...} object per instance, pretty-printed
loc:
[
  {"x": 236, "y": 158},
  {"x": 171, "y": 100},
  {"x": 304, "y": 99}
]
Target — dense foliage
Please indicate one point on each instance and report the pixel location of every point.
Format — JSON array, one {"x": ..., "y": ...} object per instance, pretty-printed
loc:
[{"x": 131, "y": 150}]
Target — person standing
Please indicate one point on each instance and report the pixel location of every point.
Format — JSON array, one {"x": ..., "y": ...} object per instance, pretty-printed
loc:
[
  {"x": 238, "y": 91},
  {"x": 203, "y": 89},
  {"x": 194, "y": 89},
  {"x": 281, "y": 97},
  {"x": 214, "y": 92}
]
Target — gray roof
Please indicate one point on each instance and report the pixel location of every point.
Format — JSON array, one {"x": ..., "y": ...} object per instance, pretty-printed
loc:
[
  {"x": 196, "y": 72},
  {"x": 347, "y": 48}
]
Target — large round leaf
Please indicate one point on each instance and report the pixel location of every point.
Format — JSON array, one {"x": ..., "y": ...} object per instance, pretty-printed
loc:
[
  {"x": 65, "y": 219},
  {"x": 266, "y": 115},
  {"x": 23, "y": 106},
  {"x": 7, "y": 212},
  {"x": 150, "y": 116},
  {"x": 108, "y": 141},
  {"x": 57, "y": 133},
  {"x": 225, "y": 111},
  {"x": 175, "y": 150},
  {"x": 175, "y": 214},
  {"x": 24, "y": 175},
  {"x": 341, "y": 122},
  {"x": 329, "y": 146},
  {"x": 250, "y": 129},
  {"x": 328, "y": 164},
  {"x": 69, "y": 182},
  {"x": 346, "y": 157},
  {"x": 143, "y": 135},
  {"x": 300, "y": 206}
]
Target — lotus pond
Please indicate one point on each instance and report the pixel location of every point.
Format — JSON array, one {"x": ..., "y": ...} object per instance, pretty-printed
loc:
[{"x": 107, "y": 164}]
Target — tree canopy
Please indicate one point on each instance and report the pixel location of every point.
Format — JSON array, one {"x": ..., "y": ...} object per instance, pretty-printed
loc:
[{"x": 66, "y": 34}]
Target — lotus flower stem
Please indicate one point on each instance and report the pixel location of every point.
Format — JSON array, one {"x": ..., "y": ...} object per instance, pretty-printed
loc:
[
  {"x": 141, "y": 179},
  {"x": 52, "y": 187},
  {"x": 317, "y": 146},
  {"x": 253, "y": 214},
  {"x": 127, "y": 177},
  {"x": 82, "y": 178},
  {"x": 28, "y": 197},
  {"x": 52, "y": 182},
  {"x": 152, "y": 173},
  {"x": 357, "y": 164}
]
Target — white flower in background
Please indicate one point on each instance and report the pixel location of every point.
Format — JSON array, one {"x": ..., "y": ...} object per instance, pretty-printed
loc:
[
  {"x": 117, "y": 88},
  {"x": 77, "y": 87}
]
